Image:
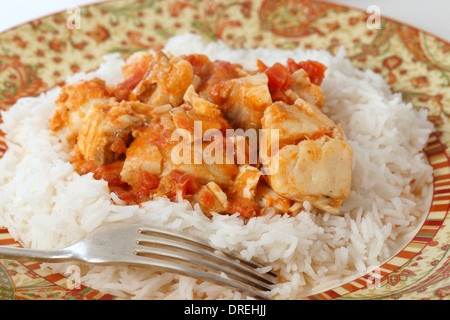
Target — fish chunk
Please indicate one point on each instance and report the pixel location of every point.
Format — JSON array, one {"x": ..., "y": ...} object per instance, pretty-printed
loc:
[
  {"x": 199, "y": 112},
  {"x": 313, "y": 162},
  {"x": 303, "y": 88},
  {"x": 74, "y": 102},
  {"x": 211, "y": 198},
  {"x": 166, "y": 82},
  {"x": 134, "y": 71},
  {"x": 212, "y": 163},
  {"x": 220, "y": 172},
  {"x": 141, "y": 155},
  {"x": 267, "y": 198},
  {"x": 106, "y": 130},
  {"x": 295, "y": 122},
  {"x": 247, "y": 99},
  {"x": 318, "y": 171},
  {"x": 246, "y": 182}
]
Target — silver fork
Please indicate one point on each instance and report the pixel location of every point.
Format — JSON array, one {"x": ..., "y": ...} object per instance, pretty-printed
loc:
[{"x": 140, "y": 245}]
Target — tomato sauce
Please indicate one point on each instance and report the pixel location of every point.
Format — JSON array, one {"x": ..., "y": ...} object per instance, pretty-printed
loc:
[
  {"x": 213, "y": 76},
  {"x": 187, "y": 184},
  {"x": 134, "y": 74},
  {"x": 213, "y": 85},
  {"x": 280, "y": 76},
  {"x": 148, "y": 183},
  {"x": 314, "y": 69},
  {"x": 245, "y": 207}
]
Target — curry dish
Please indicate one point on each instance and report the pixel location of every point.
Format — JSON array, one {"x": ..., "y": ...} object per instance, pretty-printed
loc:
[{"x": 124, "y": 134}]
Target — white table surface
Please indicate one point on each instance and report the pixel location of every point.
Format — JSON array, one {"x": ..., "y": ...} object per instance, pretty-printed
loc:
[{"x": 429, "y": 15}]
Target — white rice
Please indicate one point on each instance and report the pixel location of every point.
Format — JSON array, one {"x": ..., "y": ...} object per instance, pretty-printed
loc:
[{"x": 45, "y": 204}]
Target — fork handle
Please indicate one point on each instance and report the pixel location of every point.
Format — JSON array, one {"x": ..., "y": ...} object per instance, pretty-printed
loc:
[{"x": 55, "y": 255}]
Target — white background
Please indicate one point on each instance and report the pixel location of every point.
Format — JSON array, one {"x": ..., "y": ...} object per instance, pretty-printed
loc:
[{"x": 429, "y": 15}]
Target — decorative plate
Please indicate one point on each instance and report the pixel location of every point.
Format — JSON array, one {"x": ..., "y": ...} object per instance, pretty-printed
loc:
[{"x": 41, "y": 54}]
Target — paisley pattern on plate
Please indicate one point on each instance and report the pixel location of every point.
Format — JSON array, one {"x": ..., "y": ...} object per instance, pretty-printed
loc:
[{"x": 41, "y": 54}]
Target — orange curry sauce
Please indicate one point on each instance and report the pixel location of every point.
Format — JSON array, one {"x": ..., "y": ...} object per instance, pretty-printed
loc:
[{"x": 213, "y": 84}]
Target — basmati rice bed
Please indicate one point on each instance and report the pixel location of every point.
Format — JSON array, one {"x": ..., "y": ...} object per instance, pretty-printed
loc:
[{"x": 45, "y": 204}]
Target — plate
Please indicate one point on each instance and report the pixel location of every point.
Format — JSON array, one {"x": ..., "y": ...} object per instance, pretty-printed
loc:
[{"x": 38, "y": 55}]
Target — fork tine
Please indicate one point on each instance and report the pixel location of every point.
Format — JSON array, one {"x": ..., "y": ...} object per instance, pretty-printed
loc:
[
  {"x": 208, "y": 250},
  {"x": 178, "y": 268},
  {"x": 217, "y": 263},
  {"x": 181, "y": 257},
  {"x": 127, "y": 244},
  {"x": 201, "y": 247},
  {"x": 221, "y": 263},
  {"x": 169, "y": 246}
]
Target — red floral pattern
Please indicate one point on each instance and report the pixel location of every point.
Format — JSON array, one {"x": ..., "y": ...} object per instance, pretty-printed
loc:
[
  {"x": 295, "y": 18},
  {"x": 21, "y": 80},
  {"x": 403, "y": 275}
]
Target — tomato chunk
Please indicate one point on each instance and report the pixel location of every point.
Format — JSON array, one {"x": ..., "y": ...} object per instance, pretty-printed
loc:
[
  {"x": 245, "y": 207},
  {"x": 148, "y": 181},
  {"x": 185, "y": 183},
  {"x": 111, "y": 174},
  {"x": 278, "y": 76},
  {"x": 314, "y": 69}
]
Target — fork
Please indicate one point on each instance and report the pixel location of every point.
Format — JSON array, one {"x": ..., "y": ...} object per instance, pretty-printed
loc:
[{"x": 145, "y": 246}]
